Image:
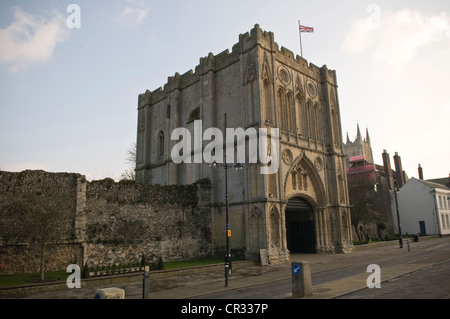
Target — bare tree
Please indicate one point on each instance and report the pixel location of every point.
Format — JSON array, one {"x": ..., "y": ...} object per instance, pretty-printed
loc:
[
  {"x": 131, "y": 160},
  {"x": 365, "y": 201},
  {"x": 37, "y": 218}
]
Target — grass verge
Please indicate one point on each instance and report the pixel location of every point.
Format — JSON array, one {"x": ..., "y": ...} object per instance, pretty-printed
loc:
[{"x": 33, "y": 278}]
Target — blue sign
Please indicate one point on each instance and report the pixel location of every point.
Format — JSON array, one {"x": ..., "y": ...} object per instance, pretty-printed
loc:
[{"x": 296, "y": 269}]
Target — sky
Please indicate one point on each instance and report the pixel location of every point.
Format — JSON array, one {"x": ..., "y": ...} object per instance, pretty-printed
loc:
[{"x": 71, "y": 72}]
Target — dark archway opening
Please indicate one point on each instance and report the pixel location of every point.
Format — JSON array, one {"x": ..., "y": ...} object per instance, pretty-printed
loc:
[{"x": 300, "y": 230}]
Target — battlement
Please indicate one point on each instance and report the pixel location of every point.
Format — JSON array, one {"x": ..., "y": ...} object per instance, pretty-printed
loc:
[{"x": 215, "y": 63}]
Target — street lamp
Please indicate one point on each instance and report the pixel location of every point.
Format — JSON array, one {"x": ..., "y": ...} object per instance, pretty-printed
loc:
[
  {"x": 238, "y": 167},
  {"x": 396, "y": 189}
]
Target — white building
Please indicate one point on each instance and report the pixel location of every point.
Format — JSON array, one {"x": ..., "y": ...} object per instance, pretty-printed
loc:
[{"x": 424, "y": 208}]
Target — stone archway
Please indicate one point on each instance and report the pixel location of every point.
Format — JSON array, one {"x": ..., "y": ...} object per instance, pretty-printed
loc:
[
  {"x": 304, "y": 184},
  {"x": 300, "y": 226}
]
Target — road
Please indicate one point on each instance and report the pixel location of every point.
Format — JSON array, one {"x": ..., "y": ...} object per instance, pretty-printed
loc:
[{"x": 430, "y": 282}]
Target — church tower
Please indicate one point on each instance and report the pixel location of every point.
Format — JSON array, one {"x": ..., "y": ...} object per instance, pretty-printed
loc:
[
  {"x": 361, "y": 146},
  {"x": 304, "y": 205}
]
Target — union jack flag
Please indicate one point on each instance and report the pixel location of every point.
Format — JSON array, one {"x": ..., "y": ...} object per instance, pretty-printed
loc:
[{"x": 306, "y": 29}]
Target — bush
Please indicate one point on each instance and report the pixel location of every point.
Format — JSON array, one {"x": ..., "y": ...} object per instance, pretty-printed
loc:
[
  {"x": 160, "y": 264},
  {"x": 85, "y": 271}
]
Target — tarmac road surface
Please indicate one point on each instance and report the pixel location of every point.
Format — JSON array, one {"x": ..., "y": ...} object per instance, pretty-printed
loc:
[{"x": 422, "y": 273}]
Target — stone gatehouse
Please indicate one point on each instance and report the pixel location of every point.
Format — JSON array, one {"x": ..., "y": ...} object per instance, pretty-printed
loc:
[{"x": 304, "y": 206}]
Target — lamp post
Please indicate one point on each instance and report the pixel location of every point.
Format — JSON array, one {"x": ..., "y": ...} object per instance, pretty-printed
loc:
[
  {"x": 396, "y": 189},
  {"x": 239, "y": 167}
]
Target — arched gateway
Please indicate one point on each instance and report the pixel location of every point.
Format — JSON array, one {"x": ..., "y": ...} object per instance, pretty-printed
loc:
[{"x": 300, "y": 230}]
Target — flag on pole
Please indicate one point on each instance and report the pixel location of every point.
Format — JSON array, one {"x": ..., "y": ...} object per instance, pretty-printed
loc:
[{"x": 306, "y": 29}]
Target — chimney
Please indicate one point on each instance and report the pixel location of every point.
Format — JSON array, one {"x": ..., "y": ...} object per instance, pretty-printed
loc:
[
  {"x": 387, "y": 168},
  {"x": 399, "y": 170},
  {"x": 420, "y": 172}
]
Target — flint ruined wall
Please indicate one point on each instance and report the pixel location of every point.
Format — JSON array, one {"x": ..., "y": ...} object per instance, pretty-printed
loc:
[{"x": 112, "y": 223}]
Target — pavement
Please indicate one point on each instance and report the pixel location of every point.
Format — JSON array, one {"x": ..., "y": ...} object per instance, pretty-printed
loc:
[{"x": 204, "y": 282}]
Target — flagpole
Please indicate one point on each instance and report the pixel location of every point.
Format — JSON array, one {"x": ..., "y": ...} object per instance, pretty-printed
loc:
[{"x": 300, "y": 35}]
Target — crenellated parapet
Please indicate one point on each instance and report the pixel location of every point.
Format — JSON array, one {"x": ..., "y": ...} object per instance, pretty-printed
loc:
[{"x": 214, "y": 63}]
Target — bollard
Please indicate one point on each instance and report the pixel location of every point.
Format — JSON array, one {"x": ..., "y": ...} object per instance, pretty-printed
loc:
[
  {"x": 145, "y": 283},
  {"x": 301, "y": 279}
]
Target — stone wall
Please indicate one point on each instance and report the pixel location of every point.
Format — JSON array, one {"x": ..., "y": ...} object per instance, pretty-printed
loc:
[
  {"x": 127, "y": 220},
  {"x": 110, "y": 223}
]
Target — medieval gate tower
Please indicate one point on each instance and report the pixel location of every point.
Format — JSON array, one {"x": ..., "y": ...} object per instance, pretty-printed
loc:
[{"x": 304, "y": 206}]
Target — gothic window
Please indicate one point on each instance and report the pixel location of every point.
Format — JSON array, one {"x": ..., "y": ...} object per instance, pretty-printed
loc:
[
  {"x": 281, "y": 101},
  {"x": 300, "y": 180},
  {"x": 335, "y": 127},
  {"x": 300, "y": 115},
  {"x": 311, "y": 126},
  {"x": 305, "y": 180},
  {"x": 291, "y": 112},
  {"x": 268, "y": 102},
  {"x": 316, "y": 120},
  {"x": 161, "y": 143},
  {"x": 294, "y": 180}
]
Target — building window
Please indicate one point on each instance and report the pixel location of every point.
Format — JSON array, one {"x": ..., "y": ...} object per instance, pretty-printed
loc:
[
  {"x": 161, "y": 144},
  {"x": 300, "y": 115},
  {"x": 283, "y": 111},
  {"x": 268, "y": 102},
  {"x": 316, "y": 121},
  {"x": 291, "y": 112}
]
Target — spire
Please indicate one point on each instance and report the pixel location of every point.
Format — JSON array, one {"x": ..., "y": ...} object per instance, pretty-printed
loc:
[
  {"x": 358, "y": 132},
  {"x": 367, "y": 136},
  {"x": 348, "y": 138}
]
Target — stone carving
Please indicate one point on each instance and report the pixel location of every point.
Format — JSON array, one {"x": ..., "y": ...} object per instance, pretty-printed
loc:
[
  {"x": 287, "y": 156},
  {"x": 311, "y": 88},
  {"x": 251, "y": 72},
  {"x": 318, "y": 163},
  {"x": 284, "y": 77}
]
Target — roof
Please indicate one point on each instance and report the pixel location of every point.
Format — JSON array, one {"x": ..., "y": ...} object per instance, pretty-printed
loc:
[
  {"x": 356, "y": 158},
  {"x": 432, "y": 185},
  {"x": 444, "y": 181}
]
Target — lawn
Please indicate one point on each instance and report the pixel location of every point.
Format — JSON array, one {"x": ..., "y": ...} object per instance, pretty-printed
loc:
[
  {"x": 24, "y": 279},
  {"x": 191, "y": 263}
]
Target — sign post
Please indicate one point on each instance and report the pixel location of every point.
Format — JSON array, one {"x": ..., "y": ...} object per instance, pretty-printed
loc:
[{"x": 301, "y": 279}]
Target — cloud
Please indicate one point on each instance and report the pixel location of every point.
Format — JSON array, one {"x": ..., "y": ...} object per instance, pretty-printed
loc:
[
  {"x": 399, "y": 36},
  {"x": 400, "y": 83},
  {"x": 30, "y": 39},
  {"x": 133, "y": 14}
]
